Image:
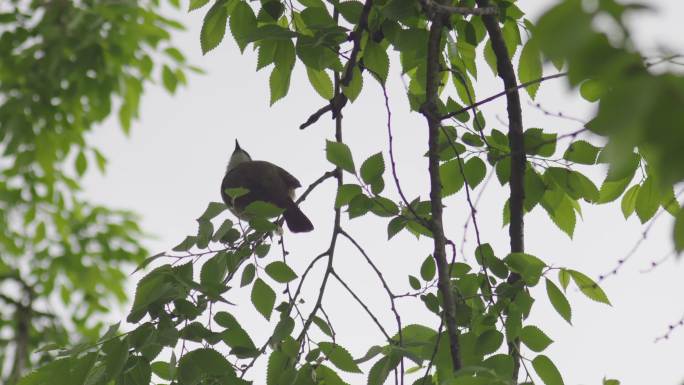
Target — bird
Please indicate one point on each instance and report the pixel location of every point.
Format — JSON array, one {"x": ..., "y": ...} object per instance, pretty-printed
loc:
[{"x": 265, "y": 182}]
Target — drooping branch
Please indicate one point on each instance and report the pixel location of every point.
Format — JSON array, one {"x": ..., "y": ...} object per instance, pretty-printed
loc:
[
  {"x": 516, "y": 143},
  {"x": 430, "y": 111}
]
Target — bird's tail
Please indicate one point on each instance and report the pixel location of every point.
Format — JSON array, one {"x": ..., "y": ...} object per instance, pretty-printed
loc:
[{"x": 296, "y": 221}]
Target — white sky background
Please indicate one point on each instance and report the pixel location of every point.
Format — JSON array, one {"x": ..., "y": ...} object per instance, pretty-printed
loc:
[{"x": 172, "y": 165}]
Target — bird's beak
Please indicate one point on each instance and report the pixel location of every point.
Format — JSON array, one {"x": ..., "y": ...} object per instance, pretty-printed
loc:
[{"x": 237, "y": 145}]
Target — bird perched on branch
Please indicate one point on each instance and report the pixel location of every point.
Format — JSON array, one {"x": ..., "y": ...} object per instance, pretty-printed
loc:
[{"x": 265, "y": 182}]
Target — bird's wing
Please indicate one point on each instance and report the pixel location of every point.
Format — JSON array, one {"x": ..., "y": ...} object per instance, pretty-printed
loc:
[{"x": 289, "y": 180}]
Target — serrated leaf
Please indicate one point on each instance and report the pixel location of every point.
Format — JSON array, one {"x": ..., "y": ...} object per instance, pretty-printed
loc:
[
  {"x": 280, "y": 272},
  {"x": 581, "y": 152},
  {"x": 559, "y": 301},
  {"x": 628, "y": 203},
  {"x": 395, "y": 226},
  {"x": 534, "y": 338},
  {"x": 547, "y": 371},
  {"x": 489, "y": 341},
  {"x": 475, "y": 171},
  {"x": 376, "y": 60},
  {"x": 530, "y": 66},
  {"x": 588, "y": 287},
  {"x": 325, "y": 328},
  {"x": 339, "y": 357},
  {"x": 451, "y": 177},
  {"x": 648, "y": 200},
  {"x": 373, "y": 168},
  {"x": 345, "y": 194},
  {"x": 428, "y": 269},
  {"x": 339, "y": 154},
  {"x": 528, "y": 266},
  {"x": 279, "y": 83},
  {"x": 247, "y": 275},
  {"x": 263, "y": 298},
  {"x": 321, "y": 82},
  {"x": 611, "y": 190},
  {"x": 203, "y": 365},
  {"x": 381, "y": 369},
  {"x": 353, "y": 89},
  {"x": 243, "y": 24}
]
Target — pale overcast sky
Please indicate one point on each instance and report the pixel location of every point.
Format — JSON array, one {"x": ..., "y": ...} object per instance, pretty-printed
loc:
[{"x": 172, "y": 164}]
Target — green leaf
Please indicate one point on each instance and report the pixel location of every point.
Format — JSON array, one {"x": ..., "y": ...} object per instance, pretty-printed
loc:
[
  {"x": 204, "y": 233},
  {"x": 534, "y": 338},
  {"x": 591, "y": 90},
  {"x": 81, "y": 163},
  {"x": 212, "y": 210},
  {"x": 628, "y": 203},
  {"x": 277, "y": 364},
  {"x": 204, "y": 366},
  {"x": 376, "y": 60},
  {"x": 279, "y": 83},
  {"x": 243, "y": 23},
  {"x": 373, "y": 168},
  {"x": 339, "y": 154},
  {"x": 196, "y": 4},
  {"x": 214, "y": 26},
  {"x": 547, "y": 371},
  {"x": 528, "y": 266},
  {"x": 345, "y": 194},
  {"x": 607, "y": 381},
  {"x": 559, "y": 301},
  {"x": 428, "y": 268},
  {"x": 353, "y": 89},
  {"x": 581, "y": 152},
  {"x": 325, "y": 328},
  {"x": 395, "y": 226},
  {"x": 611, "y": 190},
  {"x": 451, "y": 177},
  {"x": 489, "y": 341},
  {"x": 321, "y": 82},
  {"x": 588, "y": 287},
  {"x": 382, "y": 368},
  {"x": 537, "y": 142},
  {"x": 214, "y": 269},
  {"x": 187, "y": 244},
  {"x": 530, "y": 66},
  {"x": 247, "y": 275},
  {"x": 475, "y": 171},
  {"x": 414, "y": 282},
  {"x": 678, "y": 231},
  {"x": 263, "y": 298},
  {"x": 280, "y": 272},
  {"x": 116, "y": 351},
  {"x": 339, "y": 357},
  {"x": 648, "y": 199},
  {"x": 169, "y": 79}
]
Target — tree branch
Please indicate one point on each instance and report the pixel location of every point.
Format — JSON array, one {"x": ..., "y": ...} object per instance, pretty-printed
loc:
[
  {"x": 518, "y": 160},
  {"x": 502, "y": 93},
  {"x": 429, "y": 110}
]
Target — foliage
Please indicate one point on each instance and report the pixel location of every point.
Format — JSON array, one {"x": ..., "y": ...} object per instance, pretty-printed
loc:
[
  {"x": 67, "y": 66},
  {"x": 183, "y": 308}
]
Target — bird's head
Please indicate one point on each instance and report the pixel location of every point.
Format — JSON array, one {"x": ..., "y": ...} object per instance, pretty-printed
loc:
[{"x": 239, "y": 156}]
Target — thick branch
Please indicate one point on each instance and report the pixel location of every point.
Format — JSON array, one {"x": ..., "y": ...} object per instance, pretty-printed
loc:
[
  {"x": 516, "y": 143},
  {"x": 429, "y": 110}
]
